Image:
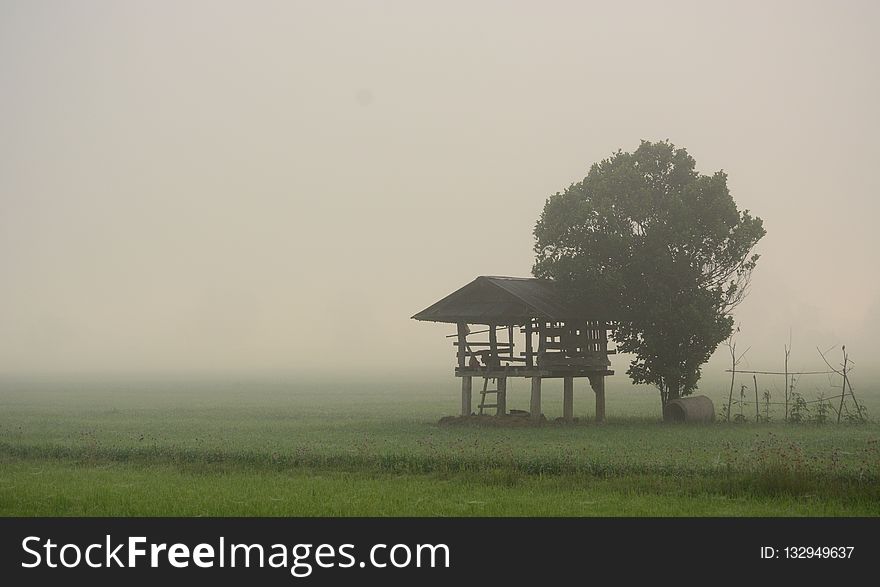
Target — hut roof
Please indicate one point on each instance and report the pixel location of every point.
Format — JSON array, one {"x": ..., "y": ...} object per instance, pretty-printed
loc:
[{"x": 507, "y": 300}]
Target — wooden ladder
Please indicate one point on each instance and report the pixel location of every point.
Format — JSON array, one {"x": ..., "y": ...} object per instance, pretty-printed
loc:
[{"x": 483, "y": 394}]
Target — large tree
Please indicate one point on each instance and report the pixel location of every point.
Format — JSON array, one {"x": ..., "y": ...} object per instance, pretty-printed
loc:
[{"x": 664, "y": 247}]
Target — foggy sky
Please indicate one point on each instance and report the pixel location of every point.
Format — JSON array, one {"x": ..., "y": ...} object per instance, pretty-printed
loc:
[{"x": 277, "y": 185}]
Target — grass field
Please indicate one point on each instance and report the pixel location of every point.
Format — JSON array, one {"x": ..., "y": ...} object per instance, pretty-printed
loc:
[{"x": 279, "y": 448}]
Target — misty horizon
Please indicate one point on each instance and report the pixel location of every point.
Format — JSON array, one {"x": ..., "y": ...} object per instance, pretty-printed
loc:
[{"x": 202, "y": 187}]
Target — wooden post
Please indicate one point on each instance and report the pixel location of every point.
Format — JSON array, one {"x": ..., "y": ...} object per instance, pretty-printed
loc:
[
  {"x": 530, "y": 360},
  {"x": 493, "y": 347},
  {"x": 466, "y": 383},
  {"x": 462, "y": 348},
  {"x": 542, "y": 344},
  {"x": 597, "y": 382},
  {"x": 501, "y": 397},
  {"x": 843, "y": 386},
  {"x": 535, "y": 405},
  {"x": 568, "y": 399}
]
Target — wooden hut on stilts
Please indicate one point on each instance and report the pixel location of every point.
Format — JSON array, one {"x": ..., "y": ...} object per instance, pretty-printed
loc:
[{"x": 558, "y": 340}]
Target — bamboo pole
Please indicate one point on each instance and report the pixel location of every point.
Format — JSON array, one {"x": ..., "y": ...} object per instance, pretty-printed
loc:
[
  {"x": 843, "y": 385},
  {"x": 858, "y": 406},
  {"x": 757, "y": 408},
  {"x": 787, "y": 352},
  {"x": 732, "y": 378}
]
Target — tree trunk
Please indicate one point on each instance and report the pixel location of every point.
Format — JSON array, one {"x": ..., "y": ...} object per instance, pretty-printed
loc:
[{"x": 671, "y": 393}]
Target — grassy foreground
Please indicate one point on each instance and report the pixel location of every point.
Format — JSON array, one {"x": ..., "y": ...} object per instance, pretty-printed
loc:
[{"x": 274, "y": 448}]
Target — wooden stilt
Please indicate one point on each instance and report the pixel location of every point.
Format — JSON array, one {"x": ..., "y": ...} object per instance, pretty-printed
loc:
[
  {"x": 568, "y": 399},
  {"x": 466, "y": 383},
  {"x": 597, "y": 382},
  {"x": 535, "y": 405},
  {"x": 502, "y": 397}
]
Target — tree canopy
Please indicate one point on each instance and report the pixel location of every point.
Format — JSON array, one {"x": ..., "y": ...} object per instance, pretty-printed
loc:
[{"x": 665, "y": 246}]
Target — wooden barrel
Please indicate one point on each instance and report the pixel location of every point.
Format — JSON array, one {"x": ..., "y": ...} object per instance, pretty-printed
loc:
[{"x": 697, "y": 408}]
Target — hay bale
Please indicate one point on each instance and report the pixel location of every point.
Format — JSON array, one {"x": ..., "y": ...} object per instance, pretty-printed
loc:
[{"x": 694, "y": 409}]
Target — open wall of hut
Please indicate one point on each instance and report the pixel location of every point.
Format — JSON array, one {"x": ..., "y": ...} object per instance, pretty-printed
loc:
[{"x": 523, "y": 327}]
